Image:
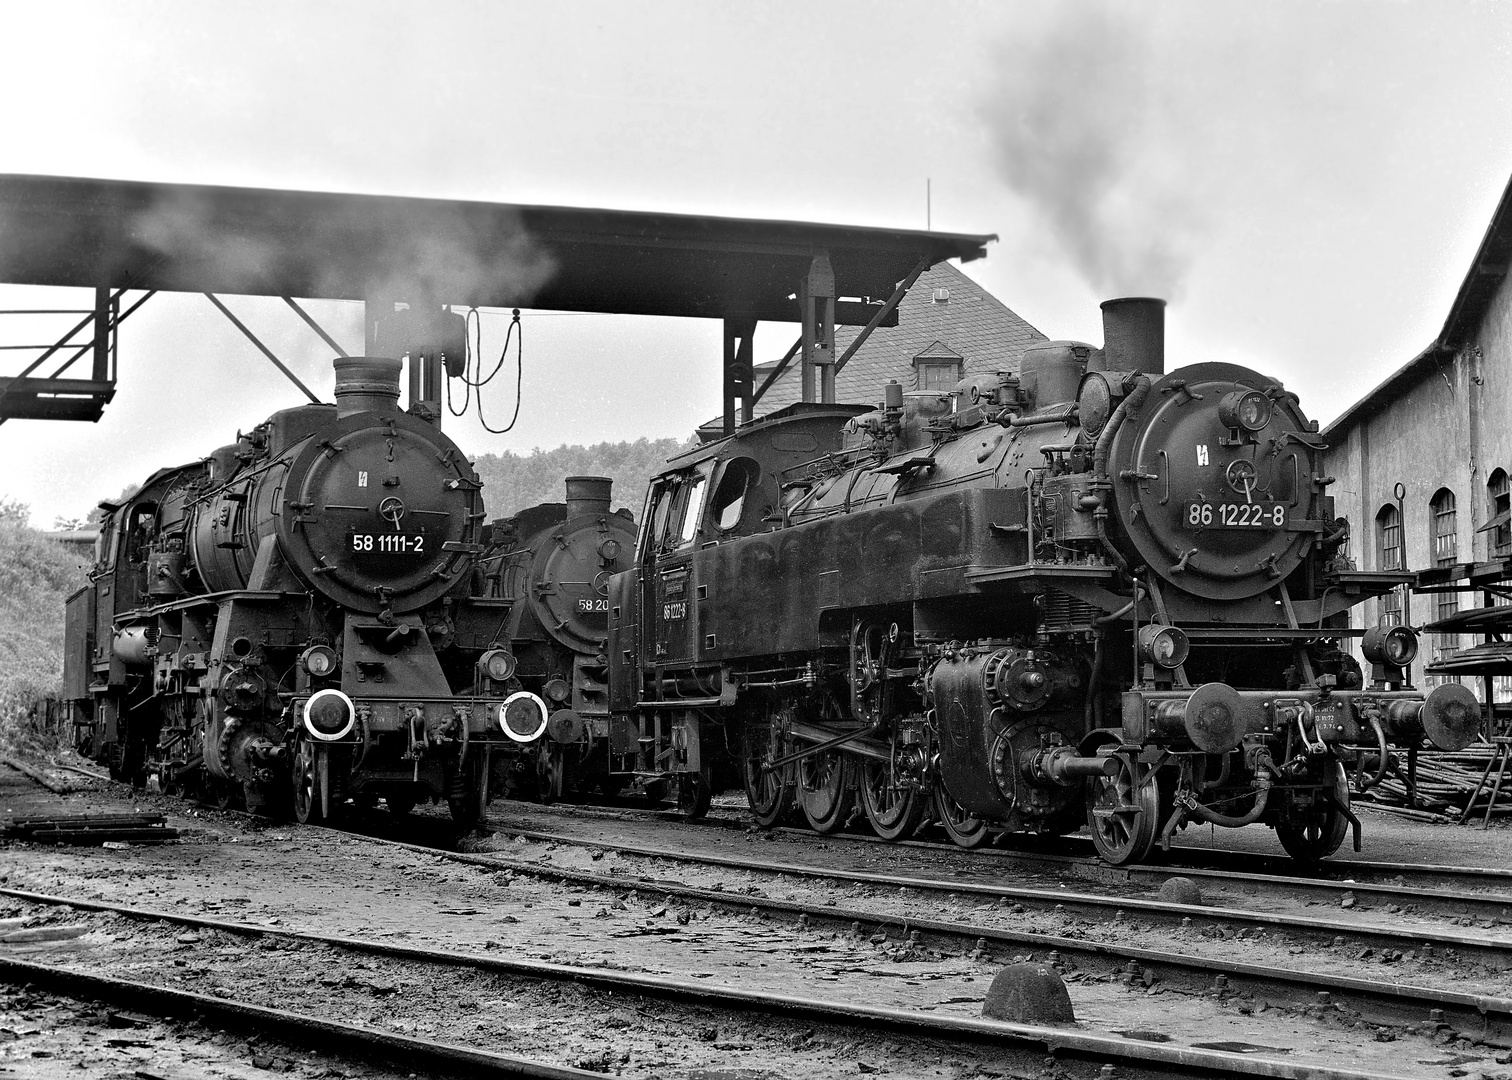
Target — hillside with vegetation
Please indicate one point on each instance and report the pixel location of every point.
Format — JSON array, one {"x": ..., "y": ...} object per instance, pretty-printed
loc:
[
  {"x": 36, "y": 577},
  {"x": 512, "y": 482}
]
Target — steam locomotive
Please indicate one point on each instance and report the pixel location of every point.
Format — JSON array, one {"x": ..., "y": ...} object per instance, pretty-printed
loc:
[
  {"x": 316, "y": 614},
  {"x": 1092, "y": 592}
]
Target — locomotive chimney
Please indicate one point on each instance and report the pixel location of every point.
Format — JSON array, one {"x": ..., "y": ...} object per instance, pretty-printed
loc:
[
  {"x": 1134, "y": 335},
  {"x": 588, "y": 496},
  {"x": 367, "y": 384}
]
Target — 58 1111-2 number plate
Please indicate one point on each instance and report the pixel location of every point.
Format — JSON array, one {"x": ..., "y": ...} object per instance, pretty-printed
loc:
[
  {"x": 1267, "y": 515},
  {"x": 395, "y": 543}
]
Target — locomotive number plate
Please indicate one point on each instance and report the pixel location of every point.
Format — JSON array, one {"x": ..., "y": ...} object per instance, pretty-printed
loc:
[
  {"x": 589, "y": 606},
  {"x": 1205, "y": 515},
  {"x": 395, "y": 543}
]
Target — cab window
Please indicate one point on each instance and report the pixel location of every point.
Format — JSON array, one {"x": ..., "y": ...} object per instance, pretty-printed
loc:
[
  {"x": 693, "y": 501},
  {"x": 738, "y": 478},
  {"x": 663, "y": 497}
]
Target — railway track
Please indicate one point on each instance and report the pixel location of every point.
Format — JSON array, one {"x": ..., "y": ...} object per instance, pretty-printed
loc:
[
  {"x": 1444, "y": 886},
  {"x": 1478, "y": 1016},
  {"x": 1214, "y": 864},
  {"x": 1466, "y": 905},
  {"x": 1100, "y": 1050}
]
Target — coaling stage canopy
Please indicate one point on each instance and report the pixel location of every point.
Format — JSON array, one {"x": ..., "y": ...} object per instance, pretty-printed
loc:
[{"x": 120, "y": 238}]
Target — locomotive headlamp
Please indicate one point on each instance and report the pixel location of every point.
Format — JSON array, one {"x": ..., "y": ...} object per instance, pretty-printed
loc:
[
  {"x": 497, "y": 664},
  {"x": 318, "y": 660},
  {"x": 1163, "y": 646},
  {"x": 329, "y": 715},
  {"x": 1246, "y": 409},
  {"x": 523, "y": 716},
  {"x": 1094, "y": 402},
  {"x": 1394, "y": 645}
]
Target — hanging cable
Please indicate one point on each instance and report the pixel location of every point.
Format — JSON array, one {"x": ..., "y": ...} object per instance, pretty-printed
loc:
[{"x": 480, "y": 380}]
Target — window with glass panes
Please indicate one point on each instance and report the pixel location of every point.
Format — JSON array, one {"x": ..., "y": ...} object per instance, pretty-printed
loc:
[
  {"x": 1389, "y": 556},
  {"x": 1499, "y": 494},
  {"x": 1444, "y": 519}
]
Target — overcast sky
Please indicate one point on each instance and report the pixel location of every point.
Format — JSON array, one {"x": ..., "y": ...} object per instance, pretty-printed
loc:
[{"x": 1306, "y": 183}]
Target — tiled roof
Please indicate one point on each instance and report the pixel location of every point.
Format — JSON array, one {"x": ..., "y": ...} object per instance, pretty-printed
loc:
[{"x": 972, "y": 324}]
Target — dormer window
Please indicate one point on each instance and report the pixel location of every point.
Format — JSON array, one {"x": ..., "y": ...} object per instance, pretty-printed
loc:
[{"x": 938, "y": 367}]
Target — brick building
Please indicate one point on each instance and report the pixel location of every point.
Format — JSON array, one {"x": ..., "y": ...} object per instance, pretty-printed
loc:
[
  {"x": 948, "y": 327},
  {"x": 1422, "y": 461}
]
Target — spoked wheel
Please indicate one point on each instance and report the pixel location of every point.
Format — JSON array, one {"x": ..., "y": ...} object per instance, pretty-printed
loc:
[
  {"x": 307, "y": 795},
  {"x": 1320, "y": 834},
  {"x": 959, "y": 825},
  {"x": 768, "y": 791},
  {"x": 694, "y": 790},
  {"x": 824, "y": 790},
  {"x": 893, "y": 805},
  {"x": 1123, "y": 820}
]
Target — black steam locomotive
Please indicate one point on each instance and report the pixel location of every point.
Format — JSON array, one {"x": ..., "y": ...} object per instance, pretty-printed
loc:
[
  {"x": 317, "y": 613},
  {"x": 1091, "y": 592}
]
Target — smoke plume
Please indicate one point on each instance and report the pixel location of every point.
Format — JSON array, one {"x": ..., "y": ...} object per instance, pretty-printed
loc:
[
  {"x": 341, "y": 247},
  {"x": 1080, "y": 128}
]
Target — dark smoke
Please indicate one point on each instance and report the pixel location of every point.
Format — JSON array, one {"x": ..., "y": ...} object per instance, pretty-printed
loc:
[{"x": 1079, "y": 127}]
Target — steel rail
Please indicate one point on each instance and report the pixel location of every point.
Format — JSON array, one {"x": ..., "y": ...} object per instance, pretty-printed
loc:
[
  {"x": 1216, "y": 862},
  {"x": 1497, "y": 953},
  {"x": 1446, "y": 902},
  {"x": 375, "y": 1045},
  {"x": 1039, "y": 1038},
  {"x": 1370, "y": 878}
]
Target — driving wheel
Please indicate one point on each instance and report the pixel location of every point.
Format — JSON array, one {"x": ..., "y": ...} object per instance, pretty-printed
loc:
[
  {"x": 959, "y": 825},
  {"x": 824, "y": 790},
  {"x": 893, "y": 805}
]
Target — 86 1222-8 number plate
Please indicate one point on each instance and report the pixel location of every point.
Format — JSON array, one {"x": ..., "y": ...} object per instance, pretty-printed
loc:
[{"x": 1205, "y": 515}]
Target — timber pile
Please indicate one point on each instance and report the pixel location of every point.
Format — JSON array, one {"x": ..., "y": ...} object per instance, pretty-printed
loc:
[
  {"x": 1445, "y": 782},
  {"x": 91, "y": 829}
]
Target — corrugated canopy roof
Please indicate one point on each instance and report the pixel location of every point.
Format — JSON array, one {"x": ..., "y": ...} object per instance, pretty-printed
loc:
[{"x": 194, "y": 238}]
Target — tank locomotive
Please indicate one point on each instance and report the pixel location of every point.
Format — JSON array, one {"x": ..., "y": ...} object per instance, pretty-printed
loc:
[{"x": 1092, "y": 592}]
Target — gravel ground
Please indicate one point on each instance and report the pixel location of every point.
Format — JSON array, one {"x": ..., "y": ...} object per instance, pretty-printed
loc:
[{"x": 293, "y": 878}]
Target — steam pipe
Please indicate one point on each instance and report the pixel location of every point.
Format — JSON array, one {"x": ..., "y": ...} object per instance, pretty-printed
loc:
[
  {"x": 1212, "y": 817},
  {"x": 1385, "y": 753}
]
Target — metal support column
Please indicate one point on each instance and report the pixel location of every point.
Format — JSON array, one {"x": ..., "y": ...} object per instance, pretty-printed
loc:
[
  {"x": 739, "y": 371},
  {"x": 106, "y": 308},
  {"x": 816, "y": 310}
]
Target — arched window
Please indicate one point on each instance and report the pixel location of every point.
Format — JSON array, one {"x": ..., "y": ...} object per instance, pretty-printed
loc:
[
  {"x": 1389, "y": 556},
  {"x": 1499, "y": 495}
]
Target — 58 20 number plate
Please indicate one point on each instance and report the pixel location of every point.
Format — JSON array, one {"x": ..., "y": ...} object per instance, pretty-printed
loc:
[{"x": 1205, "y": 515}]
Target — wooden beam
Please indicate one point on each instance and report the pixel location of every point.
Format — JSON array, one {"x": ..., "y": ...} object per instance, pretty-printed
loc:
[{"x": 887, "y": 309}]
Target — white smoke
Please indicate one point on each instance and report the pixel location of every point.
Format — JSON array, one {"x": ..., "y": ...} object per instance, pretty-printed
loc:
[{"x": 342, "y": 247}]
